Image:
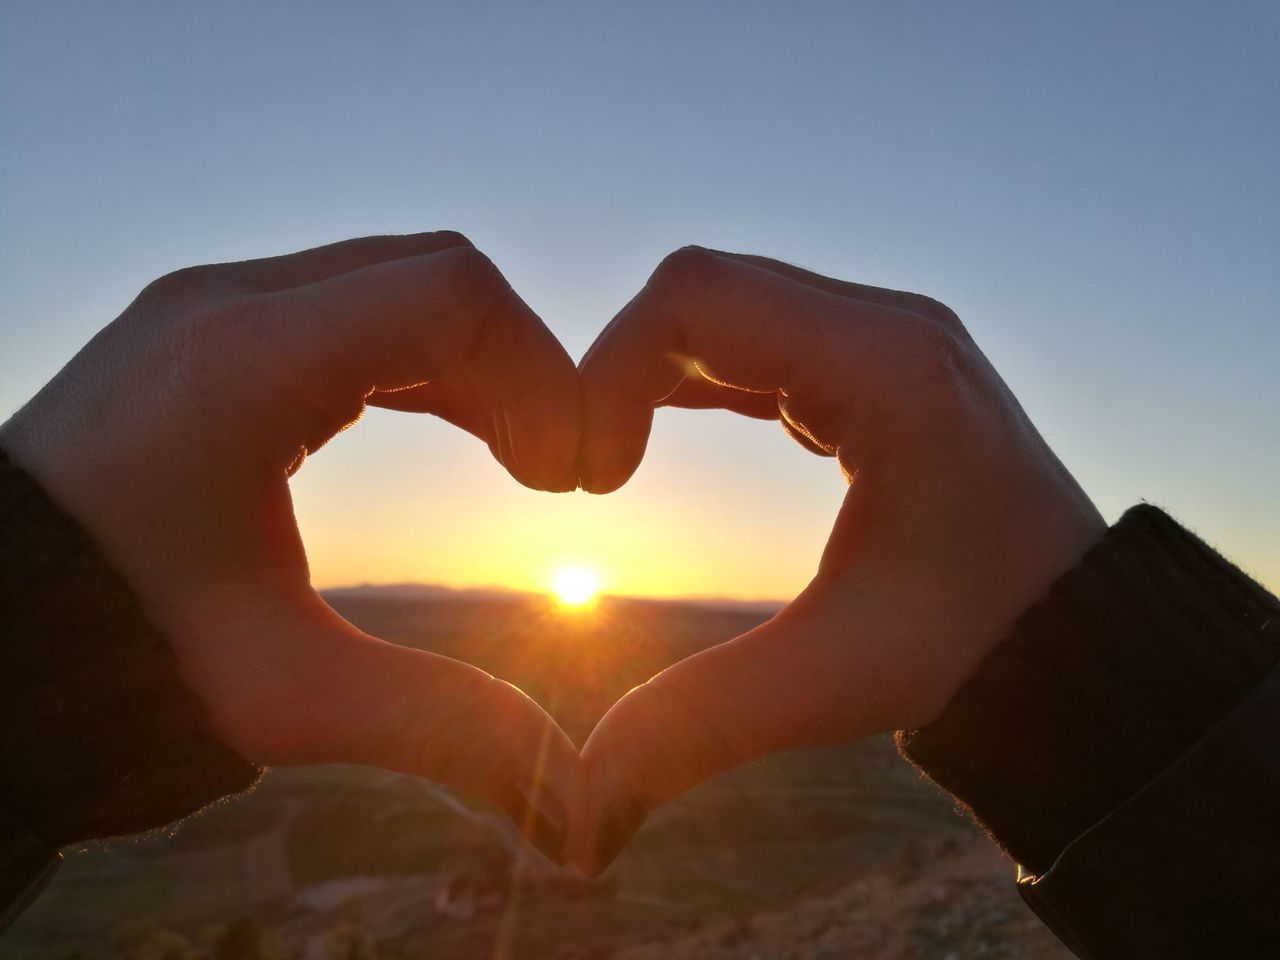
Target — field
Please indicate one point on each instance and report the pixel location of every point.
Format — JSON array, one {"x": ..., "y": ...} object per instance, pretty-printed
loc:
[{"x": 812, "y": 854}]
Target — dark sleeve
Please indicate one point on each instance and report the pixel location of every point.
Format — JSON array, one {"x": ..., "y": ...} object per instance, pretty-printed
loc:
[
  {"x": 1123, "y": 746},
  {"x": 98, "y": 736}
]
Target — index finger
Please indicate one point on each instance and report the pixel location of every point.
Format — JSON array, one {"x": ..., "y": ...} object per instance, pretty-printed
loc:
[
  {"x": 725, "y": 319},
  {"x": 448, "y": 318}
]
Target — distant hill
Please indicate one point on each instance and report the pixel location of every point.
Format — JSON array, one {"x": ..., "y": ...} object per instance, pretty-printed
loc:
[
  {"x": 416, "y": 591},
  {"x": 435, "y": 591}
]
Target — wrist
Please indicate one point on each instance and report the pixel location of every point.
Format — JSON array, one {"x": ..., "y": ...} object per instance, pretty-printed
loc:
[
  {"x": 1016, "y": 554},
  {"x": 1133, "y": 655},
  {"x": 102, "y": 737}
]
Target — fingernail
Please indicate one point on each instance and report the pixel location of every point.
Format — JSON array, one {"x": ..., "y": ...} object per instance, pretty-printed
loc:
[
  {"x": 618, "y": 825},
  {"x": 538, "y": 815}
]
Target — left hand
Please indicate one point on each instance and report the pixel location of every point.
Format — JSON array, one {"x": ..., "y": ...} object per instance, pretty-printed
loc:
[{"x": 171, "y": 437}]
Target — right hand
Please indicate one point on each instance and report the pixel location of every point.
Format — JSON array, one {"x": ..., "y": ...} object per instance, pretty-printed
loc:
[
  {"x": 171, "y": 437},
  {"x": 957, "y": 518}
]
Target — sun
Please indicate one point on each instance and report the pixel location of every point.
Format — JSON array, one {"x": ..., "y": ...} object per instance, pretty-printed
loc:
[{"x": 575, "y": 586}]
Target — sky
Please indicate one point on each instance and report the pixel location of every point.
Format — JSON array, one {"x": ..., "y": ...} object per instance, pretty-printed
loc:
[{"x": 1091, "y": 186}]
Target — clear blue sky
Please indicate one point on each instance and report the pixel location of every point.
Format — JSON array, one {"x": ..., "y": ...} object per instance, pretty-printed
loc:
[{"x": 1093, "y": 187}]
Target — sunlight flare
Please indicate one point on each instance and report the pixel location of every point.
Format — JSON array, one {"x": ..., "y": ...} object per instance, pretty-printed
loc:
[{"x": 575, "y": 586}]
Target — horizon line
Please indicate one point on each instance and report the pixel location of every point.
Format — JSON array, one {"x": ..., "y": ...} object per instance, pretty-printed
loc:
[{"x": 421, "y": 587}]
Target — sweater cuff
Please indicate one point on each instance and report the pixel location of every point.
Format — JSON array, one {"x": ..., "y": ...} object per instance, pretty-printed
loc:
[
  {"x": 98, "y": 734},
  {"x": 1132, "y": 658}
]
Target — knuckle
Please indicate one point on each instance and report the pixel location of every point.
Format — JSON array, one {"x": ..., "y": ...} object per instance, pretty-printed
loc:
[
  {"x": 227, "y": 324},
  {"x": 180, "y": 285},
  {"x": 469, "y": 266},
  {"x": 936, "y": 356},
  {"x": 937, "y": 311},
  {"x": 929, "y": 341},
  {"x": 482, "y": 295},
  {"x": 219, "y": 341},
  {"x": 478, "y": 282},
  {"x": 452, "y": 238},
  {"x": 683, "y": 268}
]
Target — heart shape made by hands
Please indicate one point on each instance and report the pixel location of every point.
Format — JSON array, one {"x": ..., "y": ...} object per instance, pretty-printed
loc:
[{"x": 173, "y": 433}]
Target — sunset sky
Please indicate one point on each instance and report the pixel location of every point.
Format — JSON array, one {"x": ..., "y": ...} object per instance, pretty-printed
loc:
[{"x": 1094, "y": 190}]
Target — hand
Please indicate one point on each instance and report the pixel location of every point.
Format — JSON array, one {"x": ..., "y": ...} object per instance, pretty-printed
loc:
[
  {"x": 171, "y": 437},
  {"x": 957, "y": 517}
]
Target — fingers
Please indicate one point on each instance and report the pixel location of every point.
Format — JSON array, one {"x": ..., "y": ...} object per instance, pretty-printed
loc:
[
  {"x": 467, "y": 409},
  {"x": 764, "y": 691},
  {"x": 898, "y": 299},
  {"x": 448, "y": 318},
  {"x": 699, "y": 393},
  {"x": 320, "y": 263},
  {"x": 696, "y": 392},
  {"x": 737, "y": 324}
]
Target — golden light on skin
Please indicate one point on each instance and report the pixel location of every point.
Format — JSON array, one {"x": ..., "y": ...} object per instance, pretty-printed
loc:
[{"x": 575, "y": 586}]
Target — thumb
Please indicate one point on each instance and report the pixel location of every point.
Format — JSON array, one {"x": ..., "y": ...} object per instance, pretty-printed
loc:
[
  {"x": 323, "y": 692},
  {"x": 772, "y": 688}
]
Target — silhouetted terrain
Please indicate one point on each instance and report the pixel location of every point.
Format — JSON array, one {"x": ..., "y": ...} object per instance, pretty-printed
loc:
[{"x": 812, "y": 854}]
